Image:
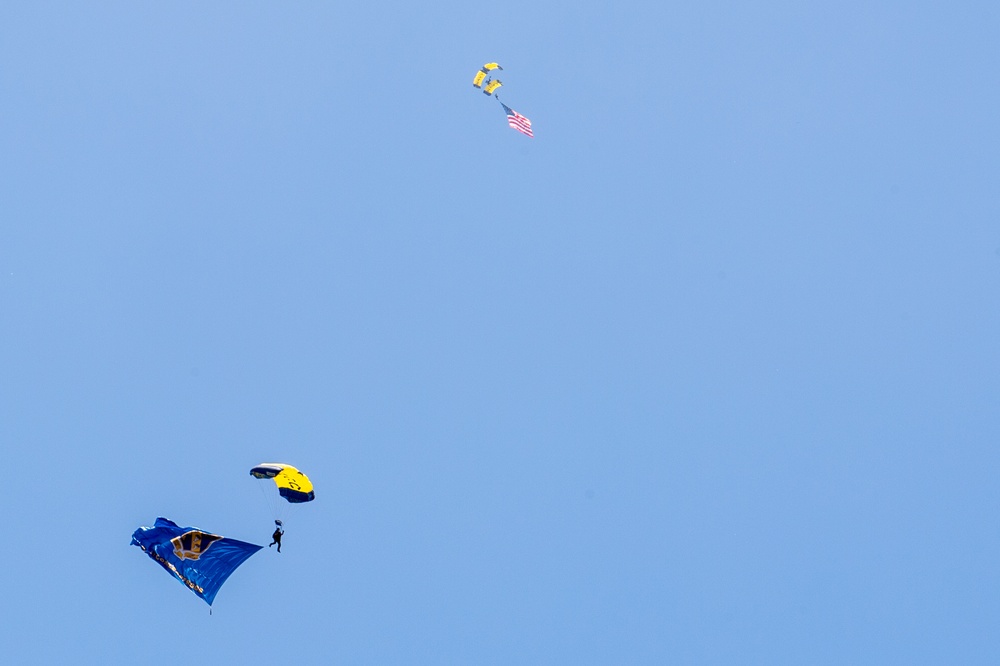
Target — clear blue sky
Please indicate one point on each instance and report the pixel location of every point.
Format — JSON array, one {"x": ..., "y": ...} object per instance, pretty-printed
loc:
[{"x": 707, "y": 372}]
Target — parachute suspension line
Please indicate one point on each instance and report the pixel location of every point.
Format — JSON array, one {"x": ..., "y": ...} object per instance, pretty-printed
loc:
[
  {"x": 278, "y": 503},
  {"x": 270, "y": 498}
]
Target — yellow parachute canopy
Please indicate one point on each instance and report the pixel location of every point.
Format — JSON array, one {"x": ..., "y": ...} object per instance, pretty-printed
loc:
[
  {"x": 492, "y": 86},
  {"x": 483, "y": 73},
  {"x": 292, "y": 484}
]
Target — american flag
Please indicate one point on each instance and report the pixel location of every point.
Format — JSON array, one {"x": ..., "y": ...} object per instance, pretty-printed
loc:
[{"x": 517, "y": 121}]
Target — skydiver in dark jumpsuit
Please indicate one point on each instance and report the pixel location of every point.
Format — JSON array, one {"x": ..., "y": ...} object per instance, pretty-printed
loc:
[{"x": 276, "y": 538}]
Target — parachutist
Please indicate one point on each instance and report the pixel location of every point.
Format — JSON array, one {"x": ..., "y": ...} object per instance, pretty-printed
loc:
[
  {"x": 292, "y": 485},
  {"x": 276, "y": 537}
]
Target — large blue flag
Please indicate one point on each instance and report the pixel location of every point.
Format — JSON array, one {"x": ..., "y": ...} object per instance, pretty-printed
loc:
[{"x": 200, "y": 560}]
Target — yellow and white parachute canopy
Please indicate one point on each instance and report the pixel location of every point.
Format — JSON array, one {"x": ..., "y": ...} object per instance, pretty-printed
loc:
[{"x": 292, "y": 484}]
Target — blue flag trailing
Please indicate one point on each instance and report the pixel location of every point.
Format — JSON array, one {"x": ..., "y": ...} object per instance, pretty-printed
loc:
[{"x": 200, "y": 560}]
